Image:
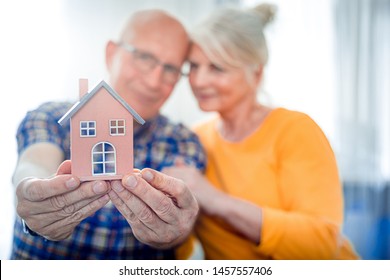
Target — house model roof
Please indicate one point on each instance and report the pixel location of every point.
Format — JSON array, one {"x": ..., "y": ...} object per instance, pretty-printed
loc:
[{"x": 76, "y": 107}]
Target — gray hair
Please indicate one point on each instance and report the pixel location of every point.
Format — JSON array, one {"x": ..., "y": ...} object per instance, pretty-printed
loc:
[{"x": 235, "y": 37}]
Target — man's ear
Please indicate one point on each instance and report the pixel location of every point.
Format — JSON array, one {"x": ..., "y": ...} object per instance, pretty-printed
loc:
[{"x": 111, "y": 49}]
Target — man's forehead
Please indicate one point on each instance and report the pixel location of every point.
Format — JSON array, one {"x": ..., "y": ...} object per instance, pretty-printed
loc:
[
  {"x": 152, "y": 23},
  {"x": 160, "y": 43}
]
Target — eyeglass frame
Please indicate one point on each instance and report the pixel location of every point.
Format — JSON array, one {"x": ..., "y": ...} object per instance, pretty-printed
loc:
[{"x": 166, "y": 67}]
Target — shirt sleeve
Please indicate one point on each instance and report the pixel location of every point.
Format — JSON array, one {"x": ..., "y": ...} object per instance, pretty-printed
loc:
[
  {"x": 309, "y": 227},
  {"x": 40, "y": 125}
]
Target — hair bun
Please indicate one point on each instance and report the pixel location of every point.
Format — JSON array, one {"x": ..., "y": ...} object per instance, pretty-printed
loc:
[{"x": 266, "y": 12}]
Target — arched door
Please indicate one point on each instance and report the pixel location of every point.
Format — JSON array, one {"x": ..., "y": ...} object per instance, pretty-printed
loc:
[{"x": 103, "y": 159}]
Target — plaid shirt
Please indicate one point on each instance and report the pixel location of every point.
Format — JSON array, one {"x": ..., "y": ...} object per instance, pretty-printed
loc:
[{"x": 106, "y": 234}]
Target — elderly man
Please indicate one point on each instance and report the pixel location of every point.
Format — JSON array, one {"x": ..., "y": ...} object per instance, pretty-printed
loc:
[{"x": 147, "y": 214}]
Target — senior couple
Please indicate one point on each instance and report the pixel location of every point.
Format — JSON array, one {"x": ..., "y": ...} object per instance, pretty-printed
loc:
[{"x": 254, "y": 182}]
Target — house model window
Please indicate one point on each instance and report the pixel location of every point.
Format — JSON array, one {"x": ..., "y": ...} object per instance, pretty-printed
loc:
[
  {"x": 117, "y": 127},
  {"x": 101, "y": 133},
  {"x": 87, "y": 129}
]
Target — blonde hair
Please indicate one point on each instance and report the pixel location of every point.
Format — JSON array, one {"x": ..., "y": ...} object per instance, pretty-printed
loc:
[{"x": 235, "y": 37}]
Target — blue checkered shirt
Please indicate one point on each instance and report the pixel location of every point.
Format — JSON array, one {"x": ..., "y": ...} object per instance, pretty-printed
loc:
[{"x": 106, "y": 234}]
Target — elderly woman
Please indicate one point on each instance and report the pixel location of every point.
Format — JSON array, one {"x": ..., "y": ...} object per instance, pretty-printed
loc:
[{"x": 271, "y": 188}]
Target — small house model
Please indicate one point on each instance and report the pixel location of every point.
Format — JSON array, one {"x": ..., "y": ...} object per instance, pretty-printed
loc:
[{"x": 101, "y": 133}]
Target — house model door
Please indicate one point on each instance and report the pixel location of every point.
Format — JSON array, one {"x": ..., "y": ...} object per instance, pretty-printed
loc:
[{"x": 103, "y": 159}]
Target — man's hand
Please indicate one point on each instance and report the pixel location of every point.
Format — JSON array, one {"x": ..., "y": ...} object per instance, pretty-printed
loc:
[
  {"x": 204, "y": 192},
  {"x": 160, "y": 209},
  {"x": 54, "y": 207}
]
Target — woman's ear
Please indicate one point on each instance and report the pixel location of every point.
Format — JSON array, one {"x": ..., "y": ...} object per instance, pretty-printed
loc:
[
  {"x": 256, "y": 76},
  {"x": 111, "y": 49},
  {"x": 259, "y": 74}
]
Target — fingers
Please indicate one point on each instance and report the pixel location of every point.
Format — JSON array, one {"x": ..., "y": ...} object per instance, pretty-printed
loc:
[
  {"x": 119, "y": 197},
  {"x": 33, "y": 189},
  {"x": 87, "y": 192},
  {"x": 68, "y": 202},
  {"x": 161, "y": 200},
  {"x": 65, "y": 168},
  {"x": 171, "y": 186},
  {"x": 146, "y": 225},
  {"x": 144, "y": 203},
  {"x": 160, "y": 209},
  {"x": 54, "y": 207},
  {"x": 59, "y": 225}
]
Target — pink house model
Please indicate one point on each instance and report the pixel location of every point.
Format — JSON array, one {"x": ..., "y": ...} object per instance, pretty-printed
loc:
[{"x": 101, "y": 133}]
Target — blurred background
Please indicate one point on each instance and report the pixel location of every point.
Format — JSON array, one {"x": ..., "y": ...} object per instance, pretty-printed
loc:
[{"x": 328, "y": 58}]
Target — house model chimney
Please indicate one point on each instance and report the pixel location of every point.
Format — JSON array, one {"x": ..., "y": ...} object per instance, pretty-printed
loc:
[{"x": 83, "y": 87}]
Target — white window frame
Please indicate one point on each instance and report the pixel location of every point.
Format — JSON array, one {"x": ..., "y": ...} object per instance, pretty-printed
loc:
[
  {"x": 117, "y": 127},
  {"x": 88, "y": 128},
  {"x": 104, "y": 160}
]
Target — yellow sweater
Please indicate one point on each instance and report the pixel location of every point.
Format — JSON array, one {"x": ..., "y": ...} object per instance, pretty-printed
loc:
[{"x": 288, "y": 168}]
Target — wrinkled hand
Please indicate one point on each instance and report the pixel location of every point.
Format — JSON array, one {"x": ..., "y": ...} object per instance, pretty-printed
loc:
[
  {"x": 160, "y": 209},
  {"x": 203, "y": 191},
  {"x": 54, "y": 207}
]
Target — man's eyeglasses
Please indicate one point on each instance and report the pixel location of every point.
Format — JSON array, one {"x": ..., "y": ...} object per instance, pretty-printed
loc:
[{"x": 146, "y": 62}]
